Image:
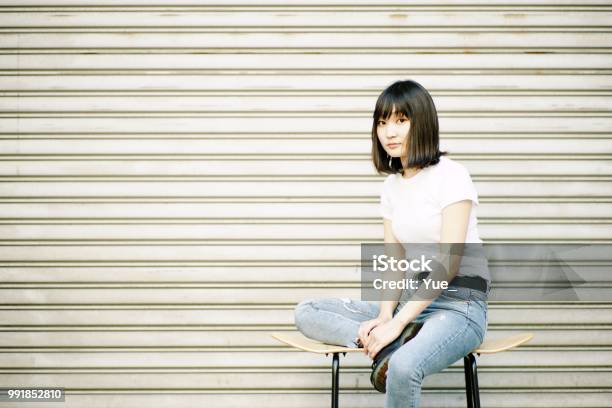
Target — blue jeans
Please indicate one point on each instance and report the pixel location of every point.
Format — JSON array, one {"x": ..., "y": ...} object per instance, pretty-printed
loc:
[{"x": 454, "y": 324}]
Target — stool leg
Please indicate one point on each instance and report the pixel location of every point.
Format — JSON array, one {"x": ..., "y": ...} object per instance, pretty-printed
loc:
[
  {"x": 472, "y": 392},
  {"x": 335, "y": 377}
]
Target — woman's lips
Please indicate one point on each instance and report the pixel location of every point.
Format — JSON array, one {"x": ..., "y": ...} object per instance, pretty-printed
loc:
[{"x": 393, "y": 145}]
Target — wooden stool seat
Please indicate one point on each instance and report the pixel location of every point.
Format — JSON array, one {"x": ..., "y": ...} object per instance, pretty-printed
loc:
[
  {"x": 299, "y": 341},
  {"x": 502, "y": 344}
]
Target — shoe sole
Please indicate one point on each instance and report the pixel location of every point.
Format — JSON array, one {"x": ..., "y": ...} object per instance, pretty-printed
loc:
[{"x": 380, "y": 365}]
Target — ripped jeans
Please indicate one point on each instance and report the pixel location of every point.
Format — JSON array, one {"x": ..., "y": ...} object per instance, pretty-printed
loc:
[{"x": 454, "y": 324}]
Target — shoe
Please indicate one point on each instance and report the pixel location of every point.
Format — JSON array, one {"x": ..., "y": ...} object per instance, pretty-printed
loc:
[{"x": 378, "y": 378}]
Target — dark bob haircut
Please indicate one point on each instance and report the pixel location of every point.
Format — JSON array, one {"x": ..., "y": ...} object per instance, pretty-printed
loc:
[{"x": 422, "y": 144}]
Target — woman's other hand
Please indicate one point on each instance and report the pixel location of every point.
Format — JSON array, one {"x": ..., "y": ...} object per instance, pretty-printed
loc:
[
  {"x": 382, "y": 335},
  {"x": 366, "y": 327}
]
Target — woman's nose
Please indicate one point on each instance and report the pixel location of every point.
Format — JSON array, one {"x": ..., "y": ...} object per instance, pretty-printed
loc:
[{"x": 391, "y": 131}]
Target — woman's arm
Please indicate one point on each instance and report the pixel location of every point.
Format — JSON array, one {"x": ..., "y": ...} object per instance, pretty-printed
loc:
[
  {"x": 455, "y": 220},
  {"x": 395, "y": 249},
  {"x": 392, "y": 247}
]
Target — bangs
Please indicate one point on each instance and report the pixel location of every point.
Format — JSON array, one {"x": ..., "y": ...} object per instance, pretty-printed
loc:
[{"x": 389, "y": 100}]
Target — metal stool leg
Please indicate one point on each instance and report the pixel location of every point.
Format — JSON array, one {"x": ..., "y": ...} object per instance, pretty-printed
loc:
[
  {"x": 472, "y": 392},
  {"x": 335, "y": 377}
]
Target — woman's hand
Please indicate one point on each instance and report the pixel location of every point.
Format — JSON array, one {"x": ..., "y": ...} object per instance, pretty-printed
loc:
[
  {"x": 367, "y": 326},
  {"x": 382, "y": 335}
]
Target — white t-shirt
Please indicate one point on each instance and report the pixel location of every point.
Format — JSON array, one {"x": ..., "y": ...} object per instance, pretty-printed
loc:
[{"x": 415, "y": 205}]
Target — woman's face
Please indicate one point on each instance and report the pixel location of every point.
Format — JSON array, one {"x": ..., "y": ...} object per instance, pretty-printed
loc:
[{"x": 392, "y": 133}]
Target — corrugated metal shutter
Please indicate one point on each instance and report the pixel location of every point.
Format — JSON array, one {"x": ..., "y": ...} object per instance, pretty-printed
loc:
[{"x": 175, "y": 178}]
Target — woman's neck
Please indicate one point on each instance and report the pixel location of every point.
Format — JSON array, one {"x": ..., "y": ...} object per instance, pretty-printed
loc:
[{"x": 410, "y": 172}]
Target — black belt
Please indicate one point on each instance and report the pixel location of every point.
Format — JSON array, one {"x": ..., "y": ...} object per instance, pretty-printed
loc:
[{"x": 471, "y": 282}]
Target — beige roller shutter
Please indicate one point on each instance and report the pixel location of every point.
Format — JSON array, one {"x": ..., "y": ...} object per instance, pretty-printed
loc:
[{"x": 177, "y": 176}]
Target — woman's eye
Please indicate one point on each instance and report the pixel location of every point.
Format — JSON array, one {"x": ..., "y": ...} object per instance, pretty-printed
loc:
[
  {"x": 402, "y": 120},
  {"x": 380, "y": 122}
]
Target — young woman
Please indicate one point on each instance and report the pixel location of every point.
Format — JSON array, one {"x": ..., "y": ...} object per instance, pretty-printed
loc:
[{"x": 426, "y": 198}]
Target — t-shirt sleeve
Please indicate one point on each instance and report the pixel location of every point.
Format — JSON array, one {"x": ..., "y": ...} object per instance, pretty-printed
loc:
[
  {"x": 457, "y": 186},
  {"x": 385, "y": 203}
]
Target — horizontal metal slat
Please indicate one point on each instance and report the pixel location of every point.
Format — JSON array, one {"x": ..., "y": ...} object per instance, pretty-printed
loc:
[
  {"x": 240, "y": 335},
  {"x": 281, "y": 294},
  {"x": 355, "y": 40},
  {"x": 339, "y": 188},
  {"x": 501, "y": 272},
  {"x": 283, "y": 84},
  {"x": 531, "y": 314},
  {"x": 275, "y": 64},
  {"x": 535, "y": 357},
  {"x": 478, "y": 165},
  {"x": 553, "y": 398},
  {"x": 284, "y": 103},
  {"x": 291, "y": 231},
  {"x": 297, "y": 147},
  {"x": 351, "y": 379},
  {"x": 315, "y": 19},
  {"x": 235, "y": 123},
  {"x": 36, "y": 217}
]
